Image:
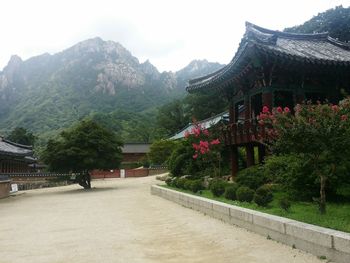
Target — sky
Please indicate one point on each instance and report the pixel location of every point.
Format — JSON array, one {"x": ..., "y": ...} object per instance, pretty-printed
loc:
[{"x": 170, "y": 33}]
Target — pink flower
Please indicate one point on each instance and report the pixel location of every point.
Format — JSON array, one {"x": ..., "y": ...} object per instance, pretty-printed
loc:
[
  {"x": 214, "y": 142},
  {"x": 262, "y": 116},
  {"x": 195, "y": 156},
  {"x": 335, "y": 108},
  {"x": 206, "y": 132},
  {"x": 265, "y": 109},
  {"x": 187, "y": 134},
  {"x": 344, "y": 117},
  {"x": 195, "y": 146},
  {"x": 286, "y": 110},
  {"x": 204, "y": 144},
  {"x": 279, "y": 109}
]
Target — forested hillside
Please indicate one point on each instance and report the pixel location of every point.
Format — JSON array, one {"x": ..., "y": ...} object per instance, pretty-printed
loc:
[{"x": 93, "y": 79}]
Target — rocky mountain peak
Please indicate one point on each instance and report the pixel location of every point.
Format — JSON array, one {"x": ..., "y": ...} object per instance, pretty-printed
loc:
[{"x": 13, "y": 64}]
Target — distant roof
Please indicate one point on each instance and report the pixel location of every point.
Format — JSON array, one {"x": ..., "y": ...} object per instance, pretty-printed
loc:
[
  {"x": 318, "y": 49},
  {"x": 136, "y": 148},
  {"x": 206, "y": 124},
  {"x": 11, "y": 148}
]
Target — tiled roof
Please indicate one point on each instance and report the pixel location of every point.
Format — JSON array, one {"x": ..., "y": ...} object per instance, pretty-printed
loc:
[
  {"x": 10, "y": 148},
  {"x": 206, "y": 124},
  {"x": 315, "y": 49},
  {"x": 136, "y": 148}
]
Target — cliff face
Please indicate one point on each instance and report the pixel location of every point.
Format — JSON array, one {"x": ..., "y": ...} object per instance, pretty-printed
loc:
[{"x": 48, "y": 92}]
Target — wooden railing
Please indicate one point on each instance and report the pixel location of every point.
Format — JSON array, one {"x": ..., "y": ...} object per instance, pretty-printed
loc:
[{"x": 248, "y": 131}]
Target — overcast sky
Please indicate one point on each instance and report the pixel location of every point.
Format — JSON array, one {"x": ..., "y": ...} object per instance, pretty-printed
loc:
[{"x": 168, "y": 33}]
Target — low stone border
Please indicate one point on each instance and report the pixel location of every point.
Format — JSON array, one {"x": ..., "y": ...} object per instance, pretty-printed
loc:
[{"x": 320, "y": 241}]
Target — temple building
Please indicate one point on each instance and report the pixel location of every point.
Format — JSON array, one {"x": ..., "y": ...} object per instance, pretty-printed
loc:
[
  {"x": 273, "y": 68},
  {"x": 15, "y": 158}
]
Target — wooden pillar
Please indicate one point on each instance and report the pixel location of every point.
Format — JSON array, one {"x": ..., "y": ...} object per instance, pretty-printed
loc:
[
  {"x": 234, "y": 161},
  {"x": 261, "y": 153},
  {"x": 232, "y": 116},
  {"x": 246, "y": 107},
  {"x": 267, "y": 99},
  {"x": 250, "y": 155}
]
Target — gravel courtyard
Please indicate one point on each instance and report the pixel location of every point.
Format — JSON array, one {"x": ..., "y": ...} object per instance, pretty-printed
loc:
[{"x": 120, "y": 221}]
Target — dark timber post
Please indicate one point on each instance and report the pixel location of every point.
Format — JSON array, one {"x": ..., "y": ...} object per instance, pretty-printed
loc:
[
  {"x": 267, "y": 99},
  {"x": 250, "y": 155},
  {"x": 261, "y": 153}
]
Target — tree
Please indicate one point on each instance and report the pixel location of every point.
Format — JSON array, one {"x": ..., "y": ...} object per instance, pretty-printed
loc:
[
  {"x": 172, "y": 117},
  {"x": 334, "y": 21},
  {"x": 161, "y": 150},
  {"x": 82, "y": 148},
  {"x": 22, "y": 136},
  {"x": 318, "y": 134}
]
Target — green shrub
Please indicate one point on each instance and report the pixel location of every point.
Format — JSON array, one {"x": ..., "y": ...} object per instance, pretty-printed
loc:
[
  {"x": 285, "y": 203},
  {"x": 263, "y": 195},
  {"x": 161, "y": 150},
  {"x": 230, "y": 192},
  {"x": 196, "y": 185},
  {"x": 188, "y": 184},
  {"x": 217, "y": 187},
  {"x": 180, "y": 183},
  {"x": 294, "y": 175},
  {"x": 169, "y": 181},
  {"x": 252, "y": 177},
  {"x": 244, "y": 194}
]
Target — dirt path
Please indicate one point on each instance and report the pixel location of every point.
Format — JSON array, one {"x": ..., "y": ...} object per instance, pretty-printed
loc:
[{"x": 119, "y": 221}]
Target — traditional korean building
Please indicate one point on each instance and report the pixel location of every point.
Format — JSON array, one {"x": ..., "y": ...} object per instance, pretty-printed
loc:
[
  {"x": 273, "y": 68},
  {"x": 15, "y": 158},
  {"x": 135, "y": 152}
]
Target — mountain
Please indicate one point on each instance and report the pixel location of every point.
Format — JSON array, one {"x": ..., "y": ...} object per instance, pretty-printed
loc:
[
  {"x": 49, "y": 92},
  {"x": 335, "y": 21}
]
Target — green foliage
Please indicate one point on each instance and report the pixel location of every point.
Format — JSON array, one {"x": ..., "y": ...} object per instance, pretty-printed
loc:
[
  {"x": 285, "y": 204},
  {"x": 294, "y": 174},
  {"x": 244, "y": 194},
  {"x": 180, "y": 183},
  {"x": 196, "y": 185},
  {"x": 172, "y": 117},
  {"x": 230, "y": 191},
  {"x": 263, "y": 195},
  {"x": 318, "y": 134},
  {"x": 84, "y": 147},
  {"x": 252, "y": 177},
  {"x": 181, "y": 161},
  {"x": 334, "y": 21},
  {"x": 22, "y": 136},
  {"x": 217, "y": 187},
  {"x": 161, "y": 151}
]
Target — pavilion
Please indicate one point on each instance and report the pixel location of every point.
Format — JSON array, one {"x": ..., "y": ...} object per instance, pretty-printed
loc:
[
  {"x": 273, "y": 68},
  {"x": 15, "y": 158}
]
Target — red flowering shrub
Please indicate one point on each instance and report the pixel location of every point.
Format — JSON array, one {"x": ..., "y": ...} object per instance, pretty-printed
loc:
[
  {"x": 206, "y": 149},
  {"x": 318, "y": 134}
]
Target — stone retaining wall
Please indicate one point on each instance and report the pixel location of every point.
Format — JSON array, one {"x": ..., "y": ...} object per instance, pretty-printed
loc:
[{"x": 335, "y": 245}]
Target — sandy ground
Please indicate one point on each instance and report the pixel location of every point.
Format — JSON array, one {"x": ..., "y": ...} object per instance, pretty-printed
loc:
[{"x": 120, "y": 221}]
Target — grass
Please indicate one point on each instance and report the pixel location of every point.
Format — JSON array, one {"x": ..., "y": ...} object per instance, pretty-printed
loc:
[{"x": 337, "y": 216}]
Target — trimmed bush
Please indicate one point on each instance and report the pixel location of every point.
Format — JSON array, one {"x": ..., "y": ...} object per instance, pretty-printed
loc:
[
  {"x": 188, "y": 184},
  {"x": 180, "y": 183},
  {"x": 217, "y": 187},
  {"x": 196, "y": 185},
  {"x": 252, "y": 177},
  {"x": 244, "y": 194},
  {"x": 230, "y": 192},
  {"x": 169, "y": 181},
  {"x": 285, "y": 203},
  {"x": 263, "y": 195}
]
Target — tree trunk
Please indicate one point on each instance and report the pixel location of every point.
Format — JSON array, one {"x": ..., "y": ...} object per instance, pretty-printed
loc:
[
  {"x": 323, "y": 194},
  {"x": 85, "y": 181}
]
